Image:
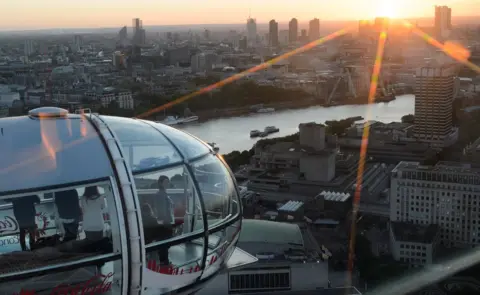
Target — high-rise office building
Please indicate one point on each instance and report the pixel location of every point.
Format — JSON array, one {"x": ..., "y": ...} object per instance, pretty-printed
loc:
[
  {"x": 273, "y": 33},
  {"x": 138, "y": 32},
  {"x": 251, "y": 32},
  {"x": 434, "y": 90},
  {"x": 443, "y": 21},
  {"x": 77, "y": 42},
  {"x": 314, "y": 29},
  {"x": 28, "y": 48},
  {"x": 293, "y": 30},
  {"x": 122, "y": 36}
]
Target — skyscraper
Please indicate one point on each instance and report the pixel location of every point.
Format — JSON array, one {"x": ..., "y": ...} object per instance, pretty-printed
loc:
[
  {"x": 138, "y": 32},
  {"x": 443, "y": 21},
  {"x": 434, "y": 91},
  {"x": 77, "y": 42},
  {"x": 122, "y": 36},
  {"x": 251, "y": 32},
  {"x": 314, "y": 29},
  {"x": 28, "y": 48},
  {"x": 293, "y": 30},
  {"x": 273, "y": 33}
]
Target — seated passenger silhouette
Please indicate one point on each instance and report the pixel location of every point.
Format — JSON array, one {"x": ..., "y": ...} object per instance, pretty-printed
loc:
[
  {"x": 69, "y": 212},
  {"x": 25, "y": 213},
  {"x": 92, "y": 204}
]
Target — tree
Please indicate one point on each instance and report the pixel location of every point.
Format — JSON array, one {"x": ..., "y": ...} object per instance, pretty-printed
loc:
[{"x": 408, "y": 119}]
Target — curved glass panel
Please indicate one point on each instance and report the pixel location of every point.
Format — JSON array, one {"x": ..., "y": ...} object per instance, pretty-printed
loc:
[
  {"x": 221, "y": 242},
  {"x": 144, "y": 147},
  {"x": 170, "y": 209},
  {"x": 48, "y": 152},
  {"x": 50, "y": 229},
  {"x": 187, "y": 144},
  {"x": 216, "y": 187}
]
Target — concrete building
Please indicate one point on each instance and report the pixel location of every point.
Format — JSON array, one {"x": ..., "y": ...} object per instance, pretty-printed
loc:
[
  {"x": 123, "y": 36},
  {"x": 77, "y": 43},
  {"x": 289, "y": 260},
  {"x": 123, "y": 98},
  {"x": 273, "y": 33},
  {"x": 472, "y": 151},
  {"x": 138, "y": 38},
  {"x": 293, "y": 30},
  {"x": 443, "y": 21},
  {"x": 314, "y": 29},
  {"x": 413, "y": 243},
  {"x": 28, "y": 48},
  {"x": 8, "y": 97},
  {"x": 445, "y": 194},
  {"x": 286, "y": 164},
  {"x": 434, "y": 92},
  {"x": 283, "y": 37},
  {"x": 251, "y": 32}
]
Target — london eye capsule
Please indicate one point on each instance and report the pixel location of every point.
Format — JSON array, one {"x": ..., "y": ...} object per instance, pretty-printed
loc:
[{"x": 93, "y": 204}]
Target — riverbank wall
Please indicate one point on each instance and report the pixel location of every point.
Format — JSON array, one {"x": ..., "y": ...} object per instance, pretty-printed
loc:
[{"x": 295, "y": 104}]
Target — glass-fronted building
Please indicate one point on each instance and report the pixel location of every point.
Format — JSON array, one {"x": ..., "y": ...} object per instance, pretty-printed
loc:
[{"x": 110, "y": 205}]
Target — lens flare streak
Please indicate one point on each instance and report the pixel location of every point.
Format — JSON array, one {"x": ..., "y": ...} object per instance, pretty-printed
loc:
[{"x": 363, "y": 150}]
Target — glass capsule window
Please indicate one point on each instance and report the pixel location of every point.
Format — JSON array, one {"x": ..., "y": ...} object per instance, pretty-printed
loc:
[
  {"x": 144, "y": 147},
  {"x": 169, "y": 203},
  {"x": 216, "y": 187},
  {"x": 188, "y": 145},
  {"x": 72, "y": 232}
]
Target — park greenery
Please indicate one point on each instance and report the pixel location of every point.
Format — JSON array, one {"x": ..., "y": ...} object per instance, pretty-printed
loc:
[{"x": 234, "y": 95}]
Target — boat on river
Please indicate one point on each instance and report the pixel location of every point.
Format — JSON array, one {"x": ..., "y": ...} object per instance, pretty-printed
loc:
[
  {"x": 174, "y": 120},
  {"x": 266, "y": 110},
  {"x": 255, "y": 133},
  {"x": 271, "y": 129}
]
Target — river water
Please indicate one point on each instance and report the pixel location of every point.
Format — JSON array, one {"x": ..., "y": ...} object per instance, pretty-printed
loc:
[{"x": 234, "y": 133}]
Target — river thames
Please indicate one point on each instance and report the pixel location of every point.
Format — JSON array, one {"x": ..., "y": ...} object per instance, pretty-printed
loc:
[{"x": 234, "y": 133}]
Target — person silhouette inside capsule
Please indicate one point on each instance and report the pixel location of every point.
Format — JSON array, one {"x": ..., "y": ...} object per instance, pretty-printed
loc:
[
  {"x": 158, "y": 218},
  {"x": 69, "y": 213},
  {"x": 25, "y": 213},
  {"x": 93, "y": 204}
]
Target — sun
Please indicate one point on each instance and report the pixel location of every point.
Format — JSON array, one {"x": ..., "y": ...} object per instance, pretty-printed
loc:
[{"x": 386, "y": 8}]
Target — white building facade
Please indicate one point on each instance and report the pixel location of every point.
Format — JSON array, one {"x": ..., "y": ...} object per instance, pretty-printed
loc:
[{"x": 447, "y": 194}]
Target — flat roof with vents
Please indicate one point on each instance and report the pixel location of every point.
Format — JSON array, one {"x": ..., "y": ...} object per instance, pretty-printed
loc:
[
  {"x": 291, "y": 206},
  {"x": 334, "y": 196}
]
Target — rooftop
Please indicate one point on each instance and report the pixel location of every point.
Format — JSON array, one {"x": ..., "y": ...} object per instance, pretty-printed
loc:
[
  {"x": 291, "y": 206},
  {"x": 272, "y": 241},
  {"x": 334, "y": 196},
  {"x": 326, "y": 291},
  {"x": 294, "y": 147},
  {"x": 415, "y": 233},
  {"x": 439, "y": 167},
  {"x": 263, "y": 231}
]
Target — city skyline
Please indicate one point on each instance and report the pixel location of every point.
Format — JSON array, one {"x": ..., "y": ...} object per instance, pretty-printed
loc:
[{"x": 27, "y": 15}]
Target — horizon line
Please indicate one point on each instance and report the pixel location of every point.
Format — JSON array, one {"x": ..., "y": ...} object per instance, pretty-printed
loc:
[{"x": 209, "y": 24}]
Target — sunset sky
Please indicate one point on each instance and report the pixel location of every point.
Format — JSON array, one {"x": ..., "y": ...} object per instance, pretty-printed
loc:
[{"x": 39, "y": 14}]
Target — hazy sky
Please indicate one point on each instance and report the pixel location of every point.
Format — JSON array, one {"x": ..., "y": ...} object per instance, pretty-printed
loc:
[{"x": 31, "y": 14}]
